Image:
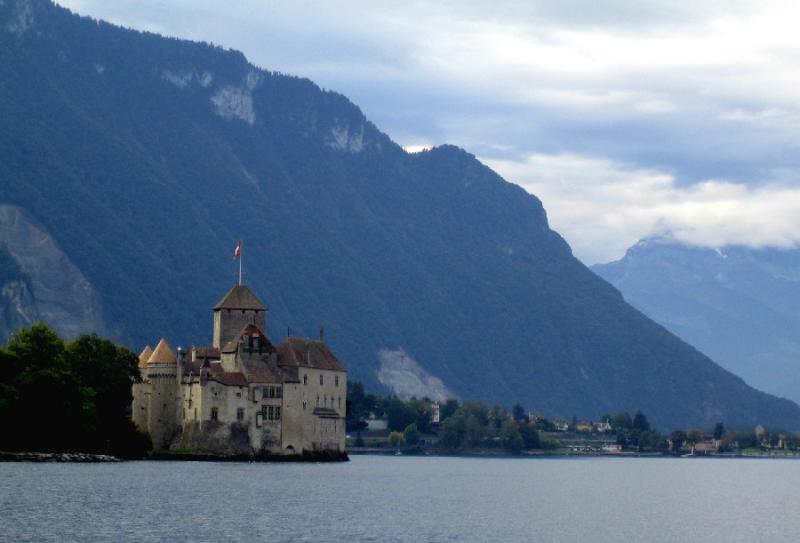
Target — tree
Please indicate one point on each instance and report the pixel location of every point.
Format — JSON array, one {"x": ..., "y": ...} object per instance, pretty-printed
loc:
[
  {"x": 399, "y": 415},
  {"x": 497, "y": 415},
  {"x": 87, "y": 383},
  {"x": 530, "y": 436},
  {"x": 518, "y": 412},
  {"x": 447, "y": 409},
  {"x": 396, "y": 440},
  {"x": 453, "y": 432},
  {"x": 678, "y": 437},
  {"x": 640, "y": 422},
  {"x": 621, "y": 420},
  {"x": 474, "y": 430},
  {"x": 694, "y": 436},
  {"x": 510, "y": 436},
  {"x": 719, "y": 430},
  {"x": 411, "y": 434}
]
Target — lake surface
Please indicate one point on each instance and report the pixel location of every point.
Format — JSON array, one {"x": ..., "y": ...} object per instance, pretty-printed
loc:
[{"x": 374, "y": 498}]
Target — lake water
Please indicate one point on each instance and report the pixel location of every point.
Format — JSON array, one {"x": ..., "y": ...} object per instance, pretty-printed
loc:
[{"x": 374, "y": 498}]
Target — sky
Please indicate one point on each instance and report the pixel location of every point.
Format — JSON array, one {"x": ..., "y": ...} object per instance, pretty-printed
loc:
[{"x": 628, "y": 119}]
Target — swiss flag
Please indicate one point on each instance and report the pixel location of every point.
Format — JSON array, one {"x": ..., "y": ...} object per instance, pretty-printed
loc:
[{"x": 238, "y": 251}]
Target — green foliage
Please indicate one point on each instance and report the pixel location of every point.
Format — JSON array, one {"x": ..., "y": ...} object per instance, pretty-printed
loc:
[
  {"x": 61, "y": 398},
  {"x": 396, "y": 440},
  {"x": 447, "y": 409},
  {"x": 694, "y": 436},
  {"x": 530, "y": 436},
  {"x": 359, "y": 406},
  {"x": 411, "y": 434},
  {"x": 511, "y": 437},
  {"x": 622, "y": 421},
  {"x": 640, "y": 422},
  {"x": 678, "y": 438},
  {"x": 518, "y": 412}
]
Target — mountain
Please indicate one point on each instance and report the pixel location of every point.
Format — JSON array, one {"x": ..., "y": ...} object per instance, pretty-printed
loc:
[
  {"x": 142, "y": 160},
  {"x": 739, "y": 305}
]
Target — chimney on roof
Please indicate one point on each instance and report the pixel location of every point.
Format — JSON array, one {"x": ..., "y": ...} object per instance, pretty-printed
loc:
[{"x": 322, "y": 333}]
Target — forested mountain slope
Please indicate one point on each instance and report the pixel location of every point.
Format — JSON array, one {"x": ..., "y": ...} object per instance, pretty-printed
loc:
[{"x": 144, "y": 158}]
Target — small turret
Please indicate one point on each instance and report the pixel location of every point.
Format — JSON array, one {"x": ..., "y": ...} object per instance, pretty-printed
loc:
[
  {"x": 144, "y": 356},
  {"x": 163, "y": 354}
]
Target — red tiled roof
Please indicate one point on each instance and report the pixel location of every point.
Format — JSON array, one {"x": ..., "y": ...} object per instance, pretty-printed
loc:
[
  {"x": 240, "y": 297},
  {"x": 228, "y": 378},
  {"x": 249, "y": 330},
  {"x": 303, "y": 352}
]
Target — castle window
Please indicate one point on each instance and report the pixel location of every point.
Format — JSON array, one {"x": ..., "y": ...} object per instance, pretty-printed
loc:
[
  {"x": 214, "y": 413},
  {"x": 271, "y": 413},
  {"x": 279, "y": 392},
  {"x": 305, "y": 379},
  {"x": 239, "y": 394},
  {"x": 336, "y": 381},
  {"x": 317, "y": 400},
  {"x": 195, "y": 413},
  {"x": 304, "y": 405},
  {"x": 277, "y": 413},
  {"x": 240, "y": 413},
  {"x": 320, "y": 380}
]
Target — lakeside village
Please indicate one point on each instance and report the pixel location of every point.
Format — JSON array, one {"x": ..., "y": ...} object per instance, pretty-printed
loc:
[
  {"x": 244, "y": 398},
  {"x": 388, "y": 425}
]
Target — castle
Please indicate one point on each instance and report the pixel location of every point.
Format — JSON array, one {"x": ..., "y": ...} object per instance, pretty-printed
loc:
[{"x": 243, "y": 396}]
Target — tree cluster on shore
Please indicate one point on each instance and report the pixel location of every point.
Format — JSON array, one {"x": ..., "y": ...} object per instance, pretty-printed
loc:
[
  {"x": 75, "y": 396},
  {"x": 461, "y": 425}
]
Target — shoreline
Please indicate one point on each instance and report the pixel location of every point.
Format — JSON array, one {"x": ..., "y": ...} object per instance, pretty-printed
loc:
[
  {"x": 87, "y": 458},
  {"x": 72, "y": 457},
  {"x": 560, "y": 455}
]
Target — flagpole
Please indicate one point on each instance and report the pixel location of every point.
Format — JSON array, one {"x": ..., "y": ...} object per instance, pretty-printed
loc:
[{"x": 240, "y": 263}]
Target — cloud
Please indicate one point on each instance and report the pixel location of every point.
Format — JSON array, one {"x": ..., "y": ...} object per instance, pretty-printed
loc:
[
  {"x": 668, "y": 93},
  {"x": 602, "y": 207}
]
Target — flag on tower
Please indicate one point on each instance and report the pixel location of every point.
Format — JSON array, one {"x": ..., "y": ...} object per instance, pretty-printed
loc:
[{"x": 238, "y": 251}]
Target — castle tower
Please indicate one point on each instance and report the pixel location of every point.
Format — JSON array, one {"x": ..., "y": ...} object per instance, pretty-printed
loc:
[
  {"x": 141, "y": 392},
  {"x": 162, "y": 374},
  {"x": 238, "y": 308},
  {"x": 144, "y": 356}
]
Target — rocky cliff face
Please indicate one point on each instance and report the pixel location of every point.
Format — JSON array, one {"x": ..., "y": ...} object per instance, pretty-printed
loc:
[{"x": 41, "y": 283}]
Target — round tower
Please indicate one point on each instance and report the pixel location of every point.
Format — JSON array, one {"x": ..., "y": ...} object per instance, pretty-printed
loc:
[
  {"x": 141, "y": 392},
  {"x": 162, "y": 375}
]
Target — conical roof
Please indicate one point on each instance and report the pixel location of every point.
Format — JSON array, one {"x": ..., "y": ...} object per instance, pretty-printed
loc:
[
  {"x": 163, "y": 354},
  {"x": 240, "y": 297},
  {"x": 145, "y": 356}
]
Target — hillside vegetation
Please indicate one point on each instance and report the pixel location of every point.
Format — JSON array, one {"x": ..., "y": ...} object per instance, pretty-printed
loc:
[{"x": 145, "y": 158}]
